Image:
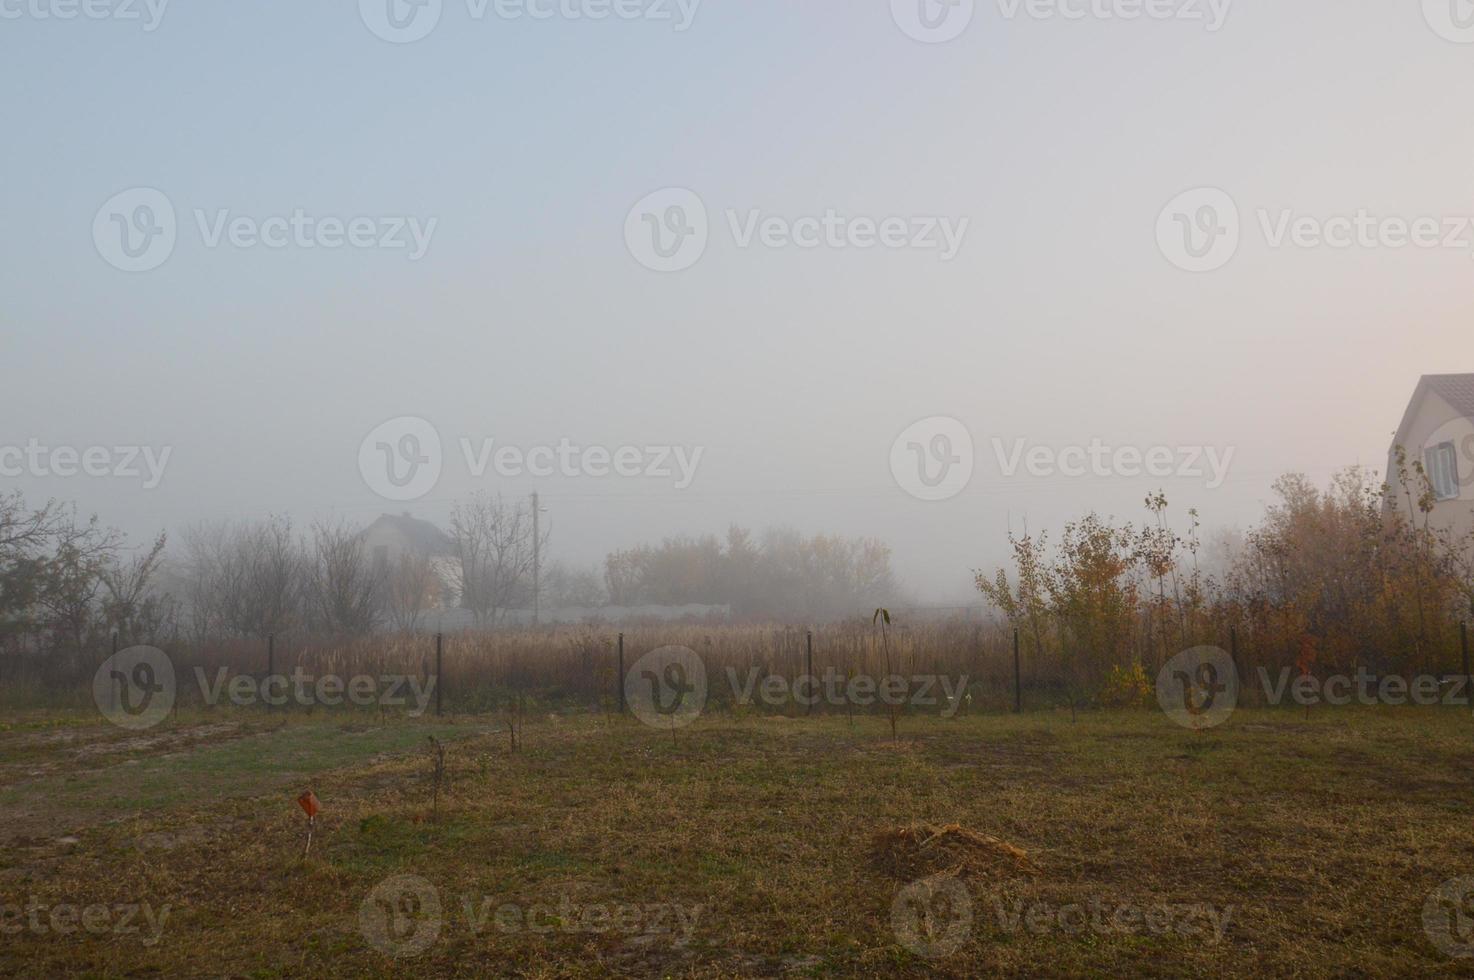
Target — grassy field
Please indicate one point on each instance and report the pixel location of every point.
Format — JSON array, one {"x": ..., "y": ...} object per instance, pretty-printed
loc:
[{"x": 1273, "y": 845}]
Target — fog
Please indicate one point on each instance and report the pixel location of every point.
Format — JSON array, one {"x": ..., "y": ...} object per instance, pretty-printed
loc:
[{"x": 675, "y": 273}]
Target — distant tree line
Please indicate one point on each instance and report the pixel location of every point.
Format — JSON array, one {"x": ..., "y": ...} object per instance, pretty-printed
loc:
[{"x": 782, "y": 576}]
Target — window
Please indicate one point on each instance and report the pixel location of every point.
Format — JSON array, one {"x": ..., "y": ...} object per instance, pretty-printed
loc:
[{"x": 1443, "y": 470}]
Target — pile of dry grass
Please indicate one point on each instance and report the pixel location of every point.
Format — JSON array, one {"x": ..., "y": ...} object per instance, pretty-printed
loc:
[{"x": 924, "y": 850}]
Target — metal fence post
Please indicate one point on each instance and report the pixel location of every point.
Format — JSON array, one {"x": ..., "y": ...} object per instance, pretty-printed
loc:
[
  {"x": 813, "y": 687},
  {"x": 619, "y": 680}
]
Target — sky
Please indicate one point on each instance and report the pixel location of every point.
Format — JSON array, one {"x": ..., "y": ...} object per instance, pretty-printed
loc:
[{"x": 1173, "y": 234}]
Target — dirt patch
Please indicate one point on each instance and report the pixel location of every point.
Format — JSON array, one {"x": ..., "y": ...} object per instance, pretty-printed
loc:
[{"x": 924, "y": 850}]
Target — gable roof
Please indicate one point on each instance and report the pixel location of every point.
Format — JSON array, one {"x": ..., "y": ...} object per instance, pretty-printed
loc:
[
  {"x": 421, "y": 535},
  {"x": 1456, "y": 389}
]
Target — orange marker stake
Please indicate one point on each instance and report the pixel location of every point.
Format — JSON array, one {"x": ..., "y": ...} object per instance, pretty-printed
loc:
[{"x": 309, "y": 804}]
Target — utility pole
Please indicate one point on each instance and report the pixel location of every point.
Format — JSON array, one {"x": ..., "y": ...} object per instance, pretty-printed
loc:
[{"x": 536, "y": 560}]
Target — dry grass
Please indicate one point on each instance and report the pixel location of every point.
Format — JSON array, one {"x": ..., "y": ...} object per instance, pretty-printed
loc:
[
  {"x": 1320, "y": 841},
  {"x": 926, "y": 850}
]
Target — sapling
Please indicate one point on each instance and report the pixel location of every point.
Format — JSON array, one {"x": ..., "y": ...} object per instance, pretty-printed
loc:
[
  {"x": 884, "y": 617},
  {"x": 436, "y": 776}
]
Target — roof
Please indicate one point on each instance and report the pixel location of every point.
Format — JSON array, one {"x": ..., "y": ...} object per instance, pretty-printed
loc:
[
  {"x": 1455, "y": 389},
  {"x": 421, "y": 535}
]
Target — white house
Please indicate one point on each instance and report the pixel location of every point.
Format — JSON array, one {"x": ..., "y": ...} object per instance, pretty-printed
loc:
[
  {"x": 394, "y": 536},
  {"x": 1438, "y": 430}
]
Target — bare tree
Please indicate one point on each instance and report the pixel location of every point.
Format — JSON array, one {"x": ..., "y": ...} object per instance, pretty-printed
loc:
[
  {"x": 412, "y": 587},
  {"x": 130, "y": 607},
  {"x": 26, "y": 537},
  {"x": 245, "y": 579},
  {"x": 73, "y": 581},
  {"x": 347, "y": 589},
  {"x": 494, "y": 543},
  {"x": 275, "y": 578}
]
